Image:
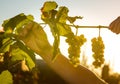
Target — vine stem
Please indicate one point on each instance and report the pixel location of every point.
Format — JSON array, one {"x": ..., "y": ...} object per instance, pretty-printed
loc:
[
  {"x": 99, "y": 26},
  {"x": 99, "y": 32}
]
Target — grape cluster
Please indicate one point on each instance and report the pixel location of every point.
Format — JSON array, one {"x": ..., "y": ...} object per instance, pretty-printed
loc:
[
  {"x": 98, "y": 51},
  {"x": 75, "y": 42}
]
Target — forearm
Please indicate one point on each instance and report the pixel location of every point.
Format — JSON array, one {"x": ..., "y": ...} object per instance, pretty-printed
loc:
[
  {"x": 35, "y": 38},
  {"x": 72, "y": 75}
]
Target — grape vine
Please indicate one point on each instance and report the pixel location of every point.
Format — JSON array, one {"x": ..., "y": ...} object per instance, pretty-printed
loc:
[
  {"x": 75, "y": 43},
  {"x": 98, "y": 51},
  {"x": 14, "y": 53}
]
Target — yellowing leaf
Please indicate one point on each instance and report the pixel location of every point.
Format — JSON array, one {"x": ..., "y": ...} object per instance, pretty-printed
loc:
[
  {"x": 6, "y": 78},
  {"x": 30, "y": 17},
  {"x": 62, "y": 14},
  {"x": 48, "y": 6},
  {"x": 64, "y": 29},
  {"x": 18, "y": 54},
  {"x": 6, "y": 45},
  {"x": 12, "y": 22}
]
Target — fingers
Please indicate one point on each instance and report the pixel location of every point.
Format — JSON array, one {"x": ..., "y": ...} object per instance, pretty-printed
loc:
[
  {"x": 26, "y": 29},
  {"x": 33, "y": 29},
  {"x": 39, "y": 34},
  {"x": 111, "y": 26},
  {"x": 37, "y": 30},
  {"x": 115, "y": 26}
]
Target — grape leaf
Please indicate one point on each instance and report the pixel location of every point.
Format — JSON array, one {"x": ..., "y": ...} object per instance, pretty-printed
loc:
[
  {"x": 5, "y": 45},
  {"x": 25, "y": 49},
  {"x": 48, "y": 6},
  {"x": 62, "y": 15},
  {"x": 30, "y": 17},
  {"x": 55, "y": 20},
  {"x": 64, "y": 29},
  {"x": 13, "y": 22},
  {"x": 6, "y": 77},
  {"x": 1, "y": 38},
  {"x": 18, "y": 54}
]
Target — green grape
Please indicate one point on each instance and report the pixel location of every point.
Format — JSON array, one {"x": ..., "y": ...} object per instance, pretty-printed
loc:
[
  {"x": 98, "y": 51},
  {"x": 75, "y": 43},
  {"x": 97, "y": 64}
]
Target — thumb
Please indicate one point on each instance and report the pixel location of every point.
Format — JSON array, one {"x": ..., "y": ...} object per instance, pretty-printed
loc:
[{"x": 115, "y": 25}]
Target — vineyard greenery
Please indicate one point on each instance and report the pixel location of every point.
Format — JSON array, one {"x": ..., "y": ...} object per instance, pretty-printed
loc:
[{"x": 13, "y": 51}]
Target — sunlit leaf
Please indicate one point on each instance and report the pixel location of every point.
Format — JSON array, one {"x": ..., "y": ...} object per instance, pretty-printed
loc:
[
  {"x": 6, "y": 78},
  {"x": 12, "y": 22},
  {"x": 9, "y": 31},
  {"x": 62, "y": 14},
  {"x": 22, "y": 23},
  {"x": 6, "y": 45},
  {"x": 18, "y": 54},
  {"x": 64, "y": 29},
  {"x": 48, "y": 6},
  {"x": 30, "y": 17},
  {"x": 49, "y": 16},
  {"x": 25, "y": 49},
  {"x": 1, "y": 38},
  {"x": 16, "y": 21},
  {"x": 55, "y": 19}
]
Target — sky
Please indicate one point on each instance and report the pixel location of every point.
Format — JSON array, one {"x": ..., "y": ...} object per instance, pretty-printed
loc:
[{"x": 94, "y": 12}]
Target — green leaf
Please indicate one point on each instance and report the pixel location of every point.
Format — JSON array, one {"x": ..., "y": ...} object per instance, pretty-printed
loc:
[
  {"x": 64, "y": 29},
  {"x": 30, "y": 17},
  {"x": 18, "y": 54},
  {"x": 62, "y": 15},
  {"x": 15, "y": 21},
  {"x": 1, "y": 38},
  {"x": 6, "y": 45},
  {"x": 20, "y": 26},
  {"x": 6, "y": 77},
  {"x": 12, "y": 22},
  {"x": 55, "y": 20},
  {"x": 48, "y": 6},
  {"x": 25, "y": 49}
]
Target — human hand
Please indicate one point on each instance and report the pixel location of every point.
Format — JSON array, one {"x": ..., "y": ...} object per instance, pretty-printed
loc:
[
  {"x": 115, "y": 26},
  {"x": 35, "y": 38}
]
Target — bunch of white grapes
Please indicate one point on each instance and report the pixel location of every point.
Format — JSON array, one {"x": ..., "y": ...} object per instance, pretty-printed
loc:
[
  {"x": 75, "y": 43},
  {"x": 98, "y": 51}
]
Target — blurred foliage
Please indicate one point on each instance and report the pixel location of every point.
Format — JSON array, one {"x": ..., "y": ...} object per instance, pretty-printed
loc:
[{"x": 6, "y": 77}]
